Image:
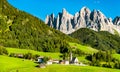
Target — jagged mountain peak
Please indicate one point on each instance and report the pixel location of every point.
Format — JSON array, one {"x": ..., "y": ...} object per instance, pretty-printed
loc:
[
  {"x": 116, "y": 21},
  {"x": 98, "y": 13},
  {"x": 66, "y": 13},
  {"x": 85, "y": 18},
  {"x": 110, "y": 19},
  {"x": 85, "y": 9},
  {"x": 64, "y": 10}
]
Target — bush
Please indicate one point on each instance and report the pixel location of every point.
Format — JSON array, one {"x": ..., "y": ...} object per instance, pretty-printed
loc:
[
  {"x": 36, "y": 56},
  {"x": 12, "y": 54},
  {"x": 3, "y": 51},
  {"x": 28, "y": 56},
  {"x": 45, "y": 59}
]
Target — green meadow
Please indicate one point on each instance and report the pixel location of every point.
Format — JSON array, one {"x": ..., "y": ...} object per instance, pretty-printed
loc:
[
  {"x": 48, "y": 54},
  {"x": 116, "y": 56},
  {"x": 23, "y": 51},
  {"x": 10, "y": 64},
  {"x": 72, "y": 68},
  {"x": 86, "y": 49}
]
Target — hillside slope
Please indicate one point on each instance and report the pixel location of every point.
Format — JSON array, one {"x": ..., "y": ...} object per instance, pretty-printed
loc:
[
  {"x": 22, "y": 30},
  {"x": 100, "y": 40}
]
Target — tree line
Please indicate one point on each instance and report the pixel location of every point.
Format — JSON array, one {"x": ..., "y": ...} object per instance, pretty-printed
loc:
[
  {"x": 101, "y": 40},
  {"x": 104, "y": 59}
]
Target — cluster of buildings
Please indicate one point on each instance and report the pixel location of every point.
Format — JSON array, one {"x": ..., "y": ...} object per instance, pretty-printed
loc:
[{"x": 73, "y": 60}]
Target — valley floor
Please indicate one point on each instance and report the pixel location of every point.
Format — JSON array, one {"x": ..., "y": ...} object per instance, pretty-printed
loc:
[{"x": 10, "y": 64}]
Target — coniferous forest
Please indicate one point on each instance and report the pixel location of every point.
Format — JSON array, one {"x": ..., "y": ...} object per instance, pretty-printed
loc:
[
  {"x": 101, "y": 40},
  {"x": 21, "y": 30}
]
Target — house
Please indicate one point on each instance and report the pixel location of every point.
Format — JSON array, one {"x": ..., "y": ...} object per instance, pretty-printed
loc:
[
  {"x": 40, "y": 59},
  {"x": 55, "y": 61},
  {"x": 49, "y": 62},
  {"x": 66, "y": 62}
]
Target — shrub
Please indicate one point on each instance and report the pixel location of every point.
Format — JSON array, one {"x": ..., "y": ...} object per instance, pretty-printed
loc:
[
  {"x": 35, "y": 57},
  {"x": 45, "y": 59},
  {"x": 28, "y": 56},
  {"x": 3, "y": 51},
  {"x": 12, "y": 54}
]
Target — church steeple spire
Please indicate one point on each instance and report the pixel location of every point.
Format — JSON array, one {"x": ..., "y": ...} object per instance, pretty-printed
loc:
[{"x": 71, "y": 57}]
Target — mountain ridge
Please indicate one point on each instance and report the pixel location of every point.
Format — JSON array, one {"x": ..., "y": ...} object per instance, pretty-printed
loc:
[
  {"x": 101, "y": 40},
  {"x": 85, "y": 18}
]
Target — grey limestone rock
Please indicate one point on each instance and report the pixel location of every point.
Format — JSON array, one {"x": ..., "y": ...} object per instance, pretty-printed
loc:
[{"x": 95, "y": 20}]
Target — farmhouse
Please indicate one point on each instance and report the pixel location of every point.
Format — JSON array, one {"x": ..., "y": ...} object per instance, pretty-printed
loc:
[
  {"x": 55, "y": 61},
  {"x": 66, "y": 62},
  {"x": 49, "y": 62},
  {"x": 40, "y": 59}
]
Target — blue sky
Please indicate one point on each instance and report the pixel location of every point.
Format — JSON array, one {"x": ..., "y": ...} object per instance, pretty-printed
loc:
[{"x": 40, "y": 8}]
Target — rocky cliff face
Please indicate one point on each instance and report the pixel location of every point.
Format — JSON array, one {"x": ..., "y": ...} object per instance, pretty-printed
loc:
[
  {"x": 85, "y": 18},
  {"x": 116, "y": 21}
]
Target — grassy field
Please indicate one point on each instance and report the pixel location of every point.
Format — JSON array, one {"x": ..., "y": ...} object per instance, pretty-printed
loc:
[
  {"x": 48, "y": 54},
  {"x": 72, "y": 68},
  {"x": 10, "y": 64},
  {"x": 23, "y": 51},
  {"x": 86, "y": 49},
  {"x": 82, "y": 59},
  {"x": 116, "y": 56},
  {"x": 63, "y": 68}
]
